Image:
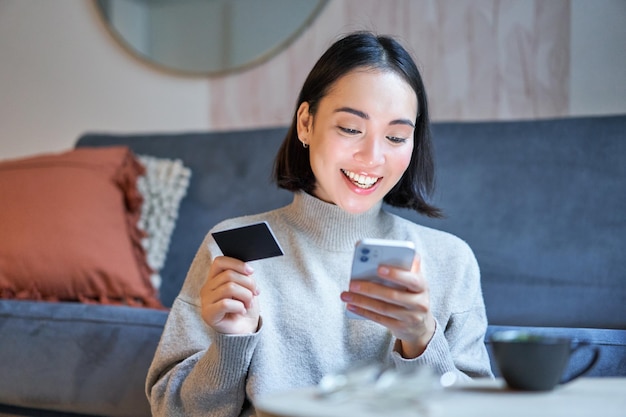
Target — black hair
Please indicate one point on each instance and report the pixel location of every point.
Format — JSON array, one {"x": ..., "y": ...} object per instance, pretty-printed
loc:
[{"x": 292, "y": 168}]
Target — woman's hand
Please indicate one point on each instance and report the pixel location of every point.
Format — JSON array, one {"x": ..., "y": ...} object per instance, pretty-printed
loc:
[
  {"x": 229, "y": 297},
  {"x": 403, "y": 308}
]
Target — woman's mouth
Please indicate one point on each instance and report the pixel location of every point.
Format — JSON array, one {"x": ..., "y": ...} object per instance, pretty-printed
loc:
[{"x": 361, "y": 181}]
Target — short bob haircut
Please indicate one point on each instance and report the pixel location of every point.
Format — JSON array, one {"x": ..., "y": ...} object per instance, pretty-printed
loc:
[{"x": 292, "y": 168}]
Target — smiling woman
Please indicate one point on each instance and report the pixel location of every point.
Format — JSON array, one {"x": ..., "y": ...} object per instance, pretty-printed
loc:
[
  {"x": 206, "y": 37},
  {"x": 360, "y": 135}
]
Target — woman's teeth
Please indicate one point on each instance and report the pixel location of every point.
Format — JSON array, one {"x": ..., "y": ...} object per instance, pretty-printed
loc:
[{"x": 361, "y": 181}]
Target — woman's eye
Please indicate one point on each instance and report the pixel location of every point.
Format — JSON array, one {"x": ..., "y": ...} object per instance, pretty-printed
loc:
[
  {"x": 395, "y": 139},
  {"x": 349, "y": 131}
]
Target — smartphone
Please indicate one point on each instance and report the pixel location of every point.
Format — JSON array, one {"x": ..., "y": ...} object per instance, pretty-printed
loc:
[
  {"x": 248, "y": 243},
  {"x": 370, "y": 253}
]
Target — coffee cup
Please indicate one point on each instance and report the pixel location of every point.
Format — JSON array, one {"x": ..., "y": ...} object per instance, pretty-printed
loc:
[{"x": 536, "y": 362}]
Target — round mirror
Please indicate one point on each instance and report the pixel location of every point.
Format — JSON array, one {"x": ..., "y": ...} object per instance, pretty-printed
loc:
[{"x": 206, "y": 37}]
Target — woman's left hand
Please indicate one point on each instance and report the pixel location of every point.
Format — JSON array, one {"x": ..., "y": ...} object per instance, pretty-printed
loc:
[{"x": 403, "y": 308}]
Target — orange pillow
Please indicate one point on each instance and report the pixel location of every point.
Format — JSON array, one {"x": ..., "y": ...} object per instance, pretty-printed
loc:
[{"x": 68, "y": 229}]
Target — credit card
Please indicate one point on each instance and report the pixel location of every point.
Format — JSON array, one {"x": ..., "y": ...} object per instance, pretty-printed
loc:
[{"x": 248, "y": 243}]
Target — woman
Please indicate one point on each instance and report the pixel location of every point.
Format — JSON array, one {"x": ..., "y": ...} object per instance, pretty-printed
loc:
[{"x": 360, "y": 136}]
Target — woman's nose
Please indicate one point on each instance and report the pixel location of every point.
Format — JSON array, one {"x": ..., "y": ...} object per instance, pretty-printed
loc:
[{"x": 369, "y": 152}]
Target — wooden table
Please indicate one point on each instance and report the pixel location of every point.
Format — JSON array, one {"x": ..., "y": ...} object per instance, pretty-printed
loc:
[{"x": 584, "y": 397}]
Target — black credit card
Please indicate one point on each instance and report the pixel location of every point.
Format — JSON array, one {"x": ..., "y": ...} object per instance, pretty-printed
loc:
[{"x": 248, "y": 243}]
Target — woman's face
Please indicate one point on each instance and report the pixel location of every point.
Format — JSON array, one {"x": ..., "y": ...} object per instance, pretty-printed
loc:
[{"x": 361, "y": 138}]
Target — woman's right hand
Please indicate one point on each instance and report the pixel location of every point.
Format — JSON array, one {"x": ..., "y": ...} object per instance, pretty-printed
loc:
[{"x": 229, "y": 297}]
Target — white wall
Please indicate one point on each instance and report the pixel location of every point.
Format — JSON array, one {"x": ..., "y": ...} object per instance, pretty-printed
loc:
[
  {"x": 598, "y": 57},
  {"x": 61, "y": 74}
]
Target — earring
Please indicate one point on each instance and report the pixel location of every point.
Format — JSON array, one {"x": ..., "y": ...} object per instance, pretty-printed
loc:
[{"x": 305, "y": 145}]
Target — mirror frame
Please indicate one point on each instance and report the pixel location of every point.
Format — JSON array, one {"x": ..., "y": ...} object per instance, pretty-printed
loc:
[{"x": 258, "y": 60}]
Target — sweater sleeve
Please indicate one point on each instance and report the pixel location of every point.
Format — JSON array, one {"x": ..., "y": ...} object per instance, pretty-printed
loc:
[
  {"x": 458, "y": 342},
  {"x": 196, "y": 371},
  {"x": 466, "y": 357}
]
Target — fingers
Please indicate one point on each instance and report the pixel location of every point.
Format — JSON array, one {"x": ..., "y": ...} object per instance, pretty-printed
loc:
[
  {"x": 225, "y": 270},
  {"x": 229, "y": 292},
  {"x": 412, "y": 280},
  {"x": 398, "y": 287},
  {"x": 404, "y": 310},
  {"x": 403, "y": 295},
  {"x": 397, "y": 303}
]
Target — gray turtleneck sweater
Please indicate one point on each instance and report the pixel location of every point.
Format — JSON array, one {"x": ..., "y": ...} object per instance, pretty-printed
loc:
[{"x": 304, "y": 332}]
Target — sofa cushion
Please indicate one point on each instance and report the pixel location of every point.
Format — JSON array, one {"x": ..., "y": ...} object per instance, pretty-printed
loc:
[
  {"x": 162, "y": 187},
  {"x": 69, "y": 230},
  {"x": 231, "y": 177}
]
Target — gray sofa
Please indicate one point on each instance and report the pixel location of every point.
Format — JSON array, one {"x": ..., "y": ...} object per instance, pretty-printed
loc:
[{"x": 542, "y": 203}]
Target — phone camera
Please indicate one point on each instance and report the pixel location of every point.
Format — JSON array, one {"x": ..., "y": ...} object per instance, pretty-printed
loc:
[{"x": 364, "y": 258}]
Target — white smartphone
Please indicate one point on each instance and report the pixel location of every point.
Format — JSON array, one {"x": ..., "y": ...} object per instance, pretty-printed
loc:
[{"x": 370, "y": 253}]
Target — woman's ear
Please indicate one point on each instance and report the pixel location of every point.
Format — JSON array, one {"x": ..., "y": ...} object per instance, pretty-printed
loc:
[{"x": 304, "y": 123}]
